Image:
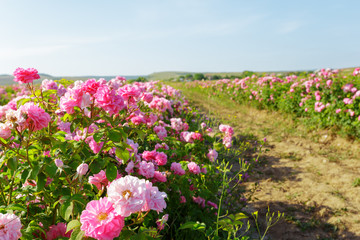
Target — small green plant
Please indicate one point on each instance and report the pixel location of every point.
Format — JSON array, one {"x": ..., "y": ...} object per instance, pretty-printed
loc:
[
  {"x": 271, "y": 220},
  {"x": 356, "y": 182}
]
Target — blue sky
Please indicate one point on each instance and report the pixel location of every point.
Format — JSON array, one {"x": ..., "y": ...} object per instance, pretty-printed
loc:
[{"x": 109, "y": 37}]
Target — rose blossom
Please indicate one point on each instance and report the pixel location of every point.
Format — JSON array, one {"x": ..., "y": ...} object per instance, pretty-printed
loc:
[
  {"x": 108, "y": 100},
  {"x": 177, "y": 168},
  {"x": 56, "y": 231},
  {"x": 193, "y": 168},
  {"x": 100, "y": 221},
  {"x": 212, "y": 155},
  {"x": 26, "y": 75},
  {"x": 37, "y": 118},
  {"x": 10, "y": 226},
  {"x": 146, "y": 169},
  {"x": 127, "y": 194},
  {"x": 99, "y": 180},
  {"x": 5, "y": 131},
  {"x": 59, "y": 163},
  {"x": 82, "y": 169},
  {"x": 155, "y": 200}
]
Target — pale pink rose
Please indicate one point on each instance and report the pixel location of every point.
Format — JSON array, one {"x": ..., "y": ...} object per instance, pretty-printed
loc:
[
  {"x": 186, "y": 137},
  {"x": 100, "y": 221},
  {"x": 26, "y": 75},
  {"x": 37, "y": 118},
  {"x": 59, "y": 163},
  {"x": 48, "y": 85},
  {"x": 155, "y": 200},
  {"x": 161, "y": 104},
  {"x": 5, "y": 131},
  {"x": 61, "y": 90},
  {"x": 338, "y": 110},
  {"x": 176, "y": 124},
  {"x": 130, "y": 167},
  {"x": 108, "y": 100},
  {"x": 226, "y": 129},
  {"x": 196, "y": 136},
  {"x": 212, "y": 155},
  {"x": 161, "y": 132},
  {"x": 159, "y": 177},
  {"x": 99, "y": 180},
  {"x": 193, "y": 168},
  {"x": 127, "y": 194},
  {"x": 147, "y": 97},
  {"x": 10, "y": 226},
  {"x": 90, "y": 86},
  {"x": 72, "y": 98},
  {"x": 129, "y": 93},
  {"x": 347, "y": 100},
  {"x": 177, "y": 168},
  {"x": 161, "y": 159},
  {"x": 151, "y": 119},
  {"x": 356, "y": 71},
  {"x": 56, "y": 231},
  {"x": 162, "y": 145},
  {"x": 146, "y": 169},
  {"x": 82, "y": 169}
]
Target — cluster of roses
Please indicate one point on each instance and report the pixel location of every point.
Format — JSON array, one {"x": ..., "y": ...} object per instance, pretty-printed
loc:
[
  {"x": 140, "y": 105},
  {"x": 329, "y": 93}
]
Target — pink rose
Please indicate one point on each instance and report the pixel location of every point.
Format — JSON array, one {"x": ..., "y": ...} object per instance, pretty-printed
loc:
[{"x": 26, "y": 75}]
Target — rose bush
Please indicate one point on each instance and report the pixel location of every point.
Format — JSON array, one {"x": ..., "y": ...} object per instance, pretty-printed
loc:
[
  {"x": 325, "y": 99},
  {"x": 107, "y": 160}
]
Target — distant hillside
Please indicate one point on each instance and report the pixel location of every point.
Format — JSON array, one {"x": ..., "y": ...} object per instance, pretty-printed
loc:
[
  {"x": 6, "y": 79},
  {"x": 174, "y": 75},
  {"x": 166, "y": 75}
]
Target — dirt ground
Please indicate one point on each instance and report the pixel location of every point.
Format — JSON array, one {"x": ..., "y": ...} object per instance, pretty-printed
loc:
[{"x": 308, "y": 176}]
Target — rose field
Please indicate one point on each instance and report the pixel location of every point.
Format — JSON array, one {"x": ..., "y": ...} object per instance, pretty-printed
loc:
[
  {"x": 265, "y": 156},
  {"x": 310, "y": 171},
  {"x": 112, "y": 160}
]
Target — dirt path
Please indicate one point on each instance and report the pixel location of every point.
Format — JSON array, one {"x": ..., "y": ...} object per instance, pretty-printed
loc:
[{"x": 307, "y": 176}]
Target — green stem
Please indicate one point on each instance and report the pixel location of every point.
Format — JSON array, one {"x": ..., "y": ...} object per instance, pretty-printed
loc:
[
  {"x": 2, "y": 193},
  {"x": 220, "y": 202},
  {"x": 11, "y": 187}
]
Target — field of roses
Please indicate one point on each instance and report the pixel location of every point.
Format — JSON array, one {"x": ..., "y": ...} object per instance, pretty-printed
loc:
[
  {"x": 112, "y": 160},
  {"x": 327, "y": 98}
]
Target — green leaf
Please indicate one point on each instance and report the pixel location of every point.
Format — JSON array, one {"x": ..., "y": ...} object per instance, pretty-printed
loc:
[
  {"x": 51, "y": 169},
  {"x": 72, "y": 224},
  {"x": 111, "y": 172},
  {"x": 126, "y": 234},
  {"x": 122, "y": 154},
  {"x": 16, "y": 207},
  {"x": 77, "y": 234},
  {"x": 40, "y": 181},
  {"x": 35, "y": 171},
  {"x": 66, "y": 210},
  {"x": 12, "y": 163},
  {"x": 115, "y": 135},
  {"x": 97, "y": 136},
  {"x": 194, "y": 226}
]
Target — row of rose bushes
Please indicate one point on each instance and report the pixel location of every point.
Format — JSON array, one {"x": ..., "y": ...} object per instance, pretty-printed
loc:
[
  {"x": 327, "y": 98},
  {"x": 107, "y": 160}
]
